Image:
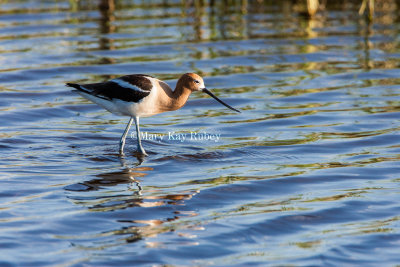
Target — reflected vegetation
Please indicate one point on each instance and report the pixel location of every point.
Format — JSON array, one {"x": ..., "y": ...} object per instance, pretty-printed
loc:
[{"x": 106, "y": 26}]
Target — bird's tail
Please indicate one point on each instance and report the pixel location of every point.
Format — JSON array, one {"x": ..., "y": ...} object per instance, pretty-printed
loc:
[
  {"x": 74, "y": 85},
  {"x": 78, "y": 87}
]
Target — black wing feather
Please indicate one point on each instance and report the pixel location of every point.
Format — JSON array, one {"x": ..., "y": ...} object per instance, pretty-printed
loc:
[{"x": 113, "y": 90}]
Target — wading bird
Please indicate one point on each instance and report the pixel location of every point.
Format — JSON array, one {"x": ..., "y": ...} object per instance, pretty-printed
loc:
[{"x": 140, "y": 95}]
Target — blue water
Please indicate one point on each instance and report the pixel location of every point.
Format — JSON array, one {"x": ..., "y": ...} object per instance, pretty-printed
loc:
[{"x": 306, "y": 175}]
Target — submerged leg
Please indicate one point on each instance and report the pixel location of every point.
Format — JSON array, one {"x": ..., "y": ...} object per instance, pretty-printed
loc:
[
  {"x": 139, "y": 142},
  {"x": 123, "y": 137}
]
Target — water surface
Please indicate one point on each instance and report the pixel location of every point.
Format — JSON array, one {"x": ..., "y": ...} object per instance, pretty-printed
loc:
[{"x": 307, "y": 174}]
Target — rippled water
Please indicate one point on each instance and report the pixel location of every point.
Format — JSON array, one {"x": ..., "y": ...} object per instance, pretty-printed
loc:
[{"x": 307, "y": 174}]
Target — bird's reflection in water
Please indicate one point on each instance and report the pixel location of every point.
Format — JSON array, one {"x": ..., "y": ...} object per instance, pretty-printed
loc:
[
  {"x": 139, "y": 156},
  {"x": 138, "y": 211}
]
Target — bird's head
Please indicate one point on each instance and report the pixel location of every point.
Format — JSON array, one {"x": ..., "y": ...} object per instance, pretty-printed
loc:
[{"x": 194, "y": 82}]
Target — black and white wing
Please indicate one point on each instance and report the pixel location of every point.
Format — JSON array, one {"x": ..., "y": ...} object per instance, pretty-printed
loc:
[{"x": 129, "y": 88}]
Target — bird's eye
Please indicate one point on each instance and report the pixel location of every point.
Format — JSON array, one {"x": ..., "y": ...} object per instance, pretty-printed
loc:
[{"x": 196, "y": 81}]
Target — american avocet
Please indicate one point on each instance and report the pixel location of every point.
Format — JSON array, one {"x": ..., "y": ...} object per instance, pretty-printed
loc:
[{"x": 140, "y": 95}]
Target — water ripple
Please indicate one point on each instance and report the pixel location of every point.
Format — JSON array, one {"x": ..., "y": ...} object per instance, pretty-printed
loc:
[{"x": 307, "y": 174}]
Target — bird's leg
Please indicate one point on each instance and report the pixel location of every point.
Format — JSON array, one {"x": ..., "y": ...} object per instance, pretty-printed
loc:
[
  {"x": 139, "y": 142},
  {"x": 123, "y": 137}
]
